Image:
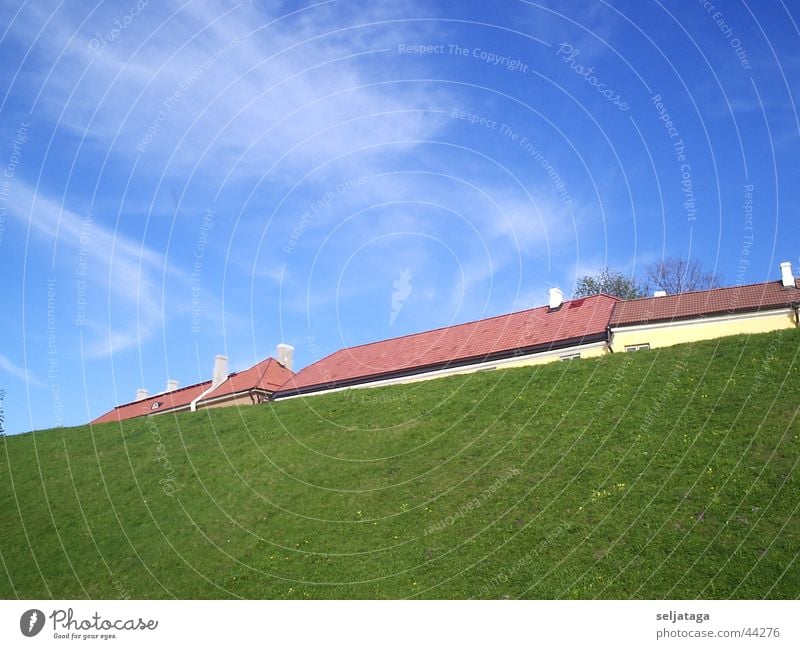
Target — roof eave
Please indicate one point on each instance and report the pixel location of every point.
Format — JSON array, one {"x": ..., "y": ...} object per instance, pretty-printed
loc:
[
  {"x": 235, "y": 395},
  {"x": 697, "y": 316},
  {"x": 464, "y": 362}
]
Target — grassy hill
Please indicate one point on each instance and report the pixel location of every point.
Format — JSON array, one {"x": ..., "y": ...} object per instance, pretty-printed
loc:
[{"x": 662, "y": 474}]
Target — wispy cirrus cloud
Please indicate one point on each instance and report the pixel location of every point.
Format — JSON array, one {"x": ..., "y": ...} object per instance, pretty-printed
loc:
[
  {"x": 222, "y": 90},
  {"x": 122, "y": 275},
  {"x": 225, "y": 88},
  {"x": 9, "y": 367}
]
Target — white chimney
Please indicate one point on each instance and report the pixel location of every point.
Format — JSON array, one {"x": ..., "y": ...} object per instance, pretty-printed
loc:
[
  {"x": 659, "y": 294},
  {"x": 787, "y": 279},
  {"x": 141, "y": 393},
  {"x": 285, "y": 355},
  {"x": 172, "y": 384},
  {"x": 220, "y": 370},
  {"x": 556, "y": 298}
]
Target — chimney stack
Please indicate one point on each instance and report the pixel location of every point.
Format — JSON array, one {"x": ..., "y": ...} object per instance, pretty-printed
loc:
[
  {"x": 141, "y": 393},
  {"x": 659, "y": 294},
  {"x": 220, "y": 370},
  {"x": 556, "y": 298},
  {"x": 787, "y": 279},
  {"x": 285, "y": 355},
  {"x": 172, "y": 384}
]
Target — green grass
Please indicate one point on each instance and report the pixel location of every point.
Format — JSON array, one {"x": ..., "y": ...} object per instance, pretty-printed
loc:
[{"x": 662, "y": 474}]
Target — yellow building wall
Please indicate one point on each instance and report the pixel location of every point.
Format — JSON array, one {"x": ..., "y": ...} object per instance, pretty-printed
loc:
[
  {"x": 238, "y": 401},
  {"x": 599, "y": 349},
  {"x": 590, "y": 352},
  {"x": 243, "y": 400},
  {"x": 674, "y": 333}
]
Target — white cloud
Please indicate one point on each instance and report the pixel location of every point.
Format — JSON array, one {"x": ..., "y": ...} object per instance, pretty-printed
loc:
[
  {"x": 223, "y": 89},
  {"x": 123, "y": 274},
  {"x": 9, "y": 367}
]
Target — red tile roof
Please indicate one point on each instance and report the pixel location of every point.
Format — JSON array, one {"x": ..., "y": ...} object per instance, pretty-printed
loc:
[
  {"x": 268, "y": 375},
  {"x": 179, "y": 398},
  {"x": 501, "y": 336},
  {"x": 718, "y": 301}
]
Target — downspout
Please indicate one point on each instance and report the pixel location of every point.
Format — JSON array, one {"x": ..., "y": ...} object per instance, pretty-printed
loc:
[
  {"x": 608, "y": 339},
  {"x": 193, "y": 404}
]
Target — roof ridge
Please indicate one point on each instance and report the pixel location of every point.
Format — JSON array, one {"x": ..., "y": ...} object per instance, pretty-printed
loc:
[
  {"x": 705, "y": 290},
  {"x": 462, "y": 324},
  {"x": 266, "y": 362},
  {"x": 161, "y": 394}
]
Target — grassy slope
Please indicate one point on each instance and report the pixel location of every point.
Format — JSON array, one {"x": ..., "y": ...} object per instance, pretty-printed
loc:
[{"x": 668, "y": 474}]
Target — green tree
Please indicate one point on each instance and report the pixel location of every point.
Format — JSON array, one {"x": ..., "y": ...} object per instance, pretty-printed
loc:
[{"x": 610, "y": 282}]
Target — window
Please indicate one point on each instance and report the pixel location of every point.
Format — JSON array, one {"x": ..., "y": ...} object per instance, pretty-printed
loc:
[
  {"x": 569, "y": 357},
  {"x": 156, "y": 405},
  {"x": 636, "y": 348}
]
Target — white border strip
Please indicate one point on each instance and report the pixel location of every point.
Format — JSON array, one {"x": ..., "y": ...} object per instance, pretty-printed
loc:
[{"x": 407, "y": 624}]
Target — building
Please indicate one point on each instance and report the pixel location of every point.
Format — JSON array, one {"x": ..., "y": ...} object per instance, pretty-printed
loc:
[
  {"x": 665, "y": 320},
  {"x": 562, "y": 330},
  {"x": 252, "y": 386},
  {"x": 583, "y": 328},
  {"x": 559, "y": 331}
]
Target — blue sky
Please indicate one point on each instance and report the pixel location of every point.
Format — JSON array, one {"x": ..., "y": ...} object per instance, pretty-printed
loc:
[{"x": 186, "y": 179}]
